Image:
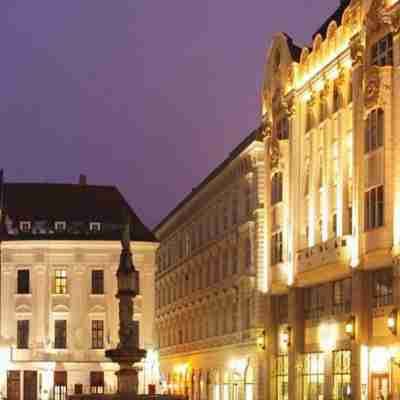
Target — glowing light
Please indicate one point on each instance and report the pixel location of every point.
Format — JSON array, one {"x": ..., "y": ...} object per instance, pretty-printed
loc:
[
  {"x": 181, "y": 368},
  {"x": 5, "y": 357},
  {"x": 380, "y": 359},
  {"x": 238, "y": 365},
  {"x": 328, "y": 336},
  {"x": 307, "y": 95},
  {"x": 350, "y": 328},
  {"x": 392, "y": 322},
  {"x": 333, "y": 73},
  {"x": 319, "y": 85}
]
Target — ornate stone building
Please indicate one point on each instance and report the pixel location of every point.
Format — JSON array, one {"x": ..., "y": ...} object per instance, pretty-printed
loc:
[
  {"x": 210, "y": 280},
  {"x": 327, "y": 228},
  {"x": 60, "y": 248}
]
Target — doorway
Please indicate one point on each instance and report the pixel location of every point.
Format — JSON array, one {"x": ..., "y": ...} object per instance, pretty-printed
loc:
[
  {"x": 30, "y": 385},
  {"x": 13, "y": 385},
  {"x": 60, "y": 385}
]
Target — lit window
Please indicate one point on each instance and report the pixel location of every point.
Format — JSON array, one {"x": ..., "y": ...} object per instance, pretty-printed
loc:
[
  {"x": 276, "y": 248},
  {"x": 282, "y": 376},
  {"x": 313, "y": 376},
  {"x": 374, "y": 208},
  {"x": 60, "y": 281},
  {"x": 341, "y": 375},
  {"x": 95, "y": 227},
  {"x": 374, "y": 130},
  {"x": 60, "y": 226},
  {"x": 97, "y": 334},
  {"x": 382, "y": 51},
  {"x": 25, "y": 226}
]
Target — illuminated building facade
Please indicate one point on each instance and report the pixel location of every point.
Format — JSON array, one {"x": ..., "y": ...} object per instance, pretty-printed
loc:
[
  {"x": 60, "y": 248},
  {"x": 326, "y": 241},
  {"x": 210, "y": 284}
]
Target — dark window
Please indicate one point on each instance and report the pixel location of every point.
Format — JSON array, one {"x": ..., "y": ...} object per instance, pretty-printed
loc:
[
  {"x": 98, "y": 281},
  {"x": 276, "y": 248},
  {"x": 342, "y": 296},
  {"x": 23, "y": 281},
  {"x": 334, "y": 225},
  {"x": 337, "y": 98},
  {"x": 276, "y": 188},
  {"x": 60, "y": 385},
  {"x": 313, "y": 302},
  {"x": 382, "y": 288},
  {"x": 374, "y": 208},
  {"x": 97, "y": 382},
  {"x": 374, "y": 130},
  {"x": 283, "y": 128},
  {"x": 341, "y": 374},
  {"x": 351, "y": 220},
  {"x": 323, "y": 107},
  {"x": 283, "y": 308},
  {"x": 97, "y": 334},
  {"x": 60, "y": 334},
  {"x": 78, "y": 388},
  {"x": 310, "y": 120},
  {"x": 22, "y": 334},
  {"x": 382, "y": 51}
]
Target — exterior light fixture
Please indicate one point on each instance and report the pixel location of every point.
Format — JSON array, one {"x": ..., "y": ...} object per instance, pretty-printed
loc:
[
  {"x": 350, "y": 327},
  {"x": 261, "y": 340},
  {"x": 286, "y": 336},
  {"x": 392, "y": 322}
]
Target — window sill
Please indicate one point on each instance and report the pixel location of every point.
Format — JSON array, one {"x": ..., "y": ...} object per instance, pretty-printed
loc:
[
  {"x": 23, "y": 294},
  {"x": 60, "y": 295},
  {"x": 97, "y": 295}
]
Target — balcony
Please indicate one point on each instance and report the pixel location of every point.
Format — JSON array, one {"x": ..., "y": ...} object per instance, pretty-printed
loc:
[{"x": 329, "y": 259}]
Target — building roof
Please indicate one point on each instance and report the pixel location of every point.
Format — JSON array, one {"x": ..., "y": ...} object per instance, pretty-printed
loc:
[
  {"x": 253, "y": 136},
  {"x": 44, "y": 203},
  {"x": 336, "y": 16}
]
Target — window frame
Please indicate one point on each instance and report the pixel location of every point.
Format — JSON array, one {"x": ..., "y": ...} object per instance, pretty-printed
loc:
[
  {"x": 343, "y": 306},
  {"x": 379, "y": 279},
  {"x": 310, "y": 376},
  {"x": 25, "y": 226},
  {"x": 374, "y": 208},
  {"x": 276, "y": 247},
  {"x": 314, "y": 306},
  {"x": 282, "y": 376},
  {"x": 97, "y": 289},
  {"x": 341, "y": 375},
  {"x": 60, "y": 281},
  {"x": 95, "y": 227},
  {"x": 23, "y": 326},
  {"x": 382, "y": 57},
  {"x": 60, "y": 334},
  {"x": 23, "y": 287},
  {"x": 97, "y": 334},
  {"x": 276, "y": 188}
]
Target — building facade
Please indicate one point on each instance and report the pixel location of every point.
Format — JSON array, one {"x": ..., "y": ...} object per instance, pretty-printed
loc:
[
  {"x": 209, "y": 281},
  {"x": 327, "y": 227},
  {"x": 60, "y": 251}
]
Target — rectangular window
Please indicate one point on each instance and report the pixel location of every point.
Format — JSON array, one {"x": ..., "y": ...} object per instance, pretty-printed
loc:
[
  {"x": 341, "y": 374},
  {"x": 60, "y": 226},
  {"x": 374, "y": 208},
  {"x": 95, "y": 227},
  {"x": 60, "y": 385},
  {"x": 374, "y": 130},
  {"x": 382, "y": 51},
  {"x": 313, "y": 302},
  {"x": 310, "y": 117},
  {"x": 60, "y": 334},
  {"x": 283, "y": 129},
  {"x": 313, "y": 376},
  {"x": 334, "y": 225},
  {"x": 96, "y": 382},
  {"x": 282, "y": 377},
  {"x": 283, "y": 308},
  {"x": 25, "y": 226},
  {"x": 23, "y": 284},
  {"x": 23, "y": 334},
  {"x": 97, "y": 334},
  {"x": 342, "y": 296},
  {"x": 382, "y": 287},
  {"x": 98, "y": 281},
  {"x": 60, "y": 281},
  {"x": 276, "y": 248}
]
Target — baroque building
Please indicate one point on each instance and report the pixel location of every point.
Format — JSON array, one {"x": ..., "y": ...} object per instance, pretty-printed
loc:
[
  {"x": 60, "y": 248},
  {"x": 324, "y": 230}
]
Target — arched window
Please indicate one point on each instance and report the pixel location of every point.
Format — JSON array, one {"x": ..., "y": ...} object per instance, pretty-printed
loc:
[{"x": 276, "y": 188}]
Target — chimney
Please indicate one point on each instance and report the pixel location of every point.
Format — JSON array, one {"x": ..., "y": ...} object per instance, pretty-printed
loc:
[{"x": 82, "y": 180}]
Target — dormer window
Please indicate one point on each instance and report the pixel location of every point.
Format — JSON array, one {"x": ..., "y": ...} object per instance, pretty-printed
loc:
[
  {"x": 60, "y": 226},
  {"x": 25, "y": 226},
  {"x": 95, "y": 227}
]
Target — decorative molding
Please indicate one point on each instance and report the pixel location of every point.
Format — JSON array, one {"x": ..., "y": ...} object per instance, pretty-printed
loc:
[
  {"x": 372, "y": 87},
  {"x": 357, "y": 50}
]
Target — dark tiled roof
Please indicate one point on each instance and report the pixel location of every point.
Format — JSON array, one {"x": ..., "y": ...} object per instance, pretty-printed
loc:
[
  {"x": 78, "y": 205},
  {"x": 336, "y": 16},
  {"x": 254, "y": 135}
]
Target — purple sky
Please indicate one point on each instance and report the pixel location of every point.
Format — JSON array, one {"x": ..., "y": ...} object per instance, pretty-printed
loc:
[{"x": 149, "y": 95}]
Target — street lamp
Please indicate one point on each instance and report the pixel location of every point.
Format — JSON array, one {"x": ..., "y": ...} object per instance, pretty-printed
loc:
[
  {"x": 392, "y": 322},
  {"x": 350, "y": 327}
]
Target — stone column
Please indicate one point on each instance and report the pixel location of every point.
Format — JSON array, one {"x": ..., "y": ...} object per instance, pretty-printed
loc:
[
  {"x": 296, "y": 348},
  {"x": 40, "y": 306}
]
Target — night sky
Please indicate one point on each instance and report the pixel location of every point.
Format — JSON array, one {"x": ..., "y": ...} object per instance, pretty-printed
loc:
[{"x": 147, "y": 95}]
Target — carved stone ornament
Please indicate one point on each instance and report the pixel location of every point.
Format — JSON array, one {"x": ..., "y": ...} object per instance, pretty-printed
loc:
[
  {"x": 374, "y": 19},
  {"x": 289, "y": 107},
  {"x": 274, "y": 152},
  {"x": 372, "y": 87},
  {"x": 357, "y": 50},
  {"x": 266, "y": 125}
]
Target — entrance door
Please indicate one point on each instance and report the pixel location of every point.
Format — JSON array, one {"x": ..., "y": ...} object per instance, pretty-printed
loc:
[
  {"x": 13, "y": 385},
  {"x": 380, "y": 387},
  {"x": 60, "y": 385},
  {"x": 30, "y": 385}
]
